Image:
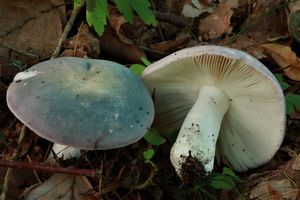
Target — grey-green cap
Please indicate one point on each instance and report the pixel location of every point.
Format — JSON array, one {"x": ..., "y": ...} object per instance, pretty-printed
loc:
[{"x": 84, "y": 103}]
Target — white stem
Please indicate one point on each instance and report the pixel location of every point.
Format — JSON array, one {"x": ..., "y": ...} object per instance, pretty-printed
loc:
[
  {"x": 200, "y": 129},
  {"x": 63, "y": 151}
]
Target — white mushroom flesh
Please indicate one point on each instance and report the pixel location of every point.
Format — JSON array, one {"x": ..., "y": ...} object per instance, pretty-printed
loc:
[
  {"x": 253, "y": 127},
  {"x": 199, "y": 132}
]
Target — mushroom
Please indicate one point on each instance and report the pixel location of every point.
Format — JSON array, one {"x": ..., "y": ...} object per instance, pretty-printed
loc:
[
  {"x": 225, "y": 103},
  {"x": 82, "y": 103}
]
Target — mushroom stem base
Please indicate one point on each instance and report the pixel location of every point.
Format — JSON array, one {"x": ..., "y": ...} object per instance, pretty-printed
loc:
[{"x": 200, "y": 129}]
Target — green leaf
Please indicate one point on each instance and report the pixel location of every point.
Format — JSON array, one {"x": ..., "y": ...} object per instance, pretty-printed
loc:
[
  {"x": 125, "y": 8},
  {"x": 283, "y": 84},
  {"x": 222, "y": 182},
  {"x": 137, "y": 69},
  {"x": 294, "y": 98},
  {"x": 227, "y": 171},
  {"x": 152, "y": 137},
  {"x": 145, "y": 61},
  {"x": 148, "y": 154},
  {"x": 97, "y": 14},
  {"x": 142, "y": 8},
  {"x": 289, "y": 107},
  {"x": 292, "y": 101}
]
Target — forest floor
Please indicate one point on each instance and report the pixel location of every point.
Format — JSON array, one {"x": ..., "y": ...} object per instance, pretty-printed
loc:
[{"x": 30, "y": 30}]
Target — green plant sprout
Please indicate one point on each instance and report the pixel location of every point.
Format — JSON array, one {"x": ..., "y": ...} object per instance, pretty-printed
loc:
[
  {"x": 153, "y": 137},
  {"x": 139, "y": 68},
  {"x": 148, "y": 155},
  {"x": 292, "y": 100},
  {"x": 97, "y": 12},
  {"x": 209, "y": 185}
]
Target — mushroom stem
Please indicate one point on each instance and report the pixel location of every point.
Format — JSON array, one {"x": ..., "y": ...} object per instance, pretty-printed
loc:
[{"x": 195, "y": 145}]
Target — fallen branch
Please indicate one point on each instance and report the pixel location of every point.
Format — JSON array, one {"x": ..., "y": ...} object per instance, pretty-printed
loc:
[
  {"x": 67, "y": 29},
  {"x": 49, "y": 169}
]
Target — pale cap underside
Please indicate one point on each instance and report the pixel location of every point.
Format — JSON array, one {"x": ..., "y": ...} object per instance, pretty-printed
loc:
[{"x": 253, "y": 128}]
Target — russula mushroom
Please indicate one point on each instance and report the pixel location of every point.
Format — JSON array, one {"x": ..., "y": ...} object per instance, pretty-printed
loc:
[
  {"x": 223, "y": 101},
  {"x": 83, "y": 103}
]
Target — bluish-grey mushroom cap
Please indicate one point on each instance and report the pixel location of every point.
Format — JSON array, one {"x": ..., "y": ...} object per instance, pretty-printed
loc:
[{"x": 84, "y": 103}]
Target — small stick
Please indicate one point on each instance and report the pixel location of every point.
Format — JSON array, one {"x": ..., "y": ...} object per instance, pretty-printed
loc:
[
  {"x": 67, "y": 29},
  {"x": 19, "y": 51},
  {"x": 10, "y": 170},
  {"x": 171, "y": 18},
  {"x": 47, "y": 168}
]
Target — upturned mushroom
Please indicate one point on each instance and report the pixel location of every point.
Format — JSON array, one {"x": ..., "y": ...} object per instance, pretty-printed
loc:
[
  {"x": 225, "y": 103},
  {"x": 83, "y": 103}
]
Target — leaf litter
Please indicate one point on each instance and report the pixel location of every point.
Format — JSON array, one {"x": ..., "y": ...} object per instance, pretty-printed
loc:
[{"x": 256, "y": 27}]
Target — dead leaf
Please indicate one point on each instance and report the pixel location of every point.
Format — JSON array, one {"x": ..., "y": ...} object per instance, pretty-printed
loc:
[
  {"x": 276, "y": 189},
  {"x": 282, "y": 185},
  {"x": 20, "y": 179},
  {"x": 83, "y": 44},
  {"x": 62, "y": 187},
  {"x": 293, "y": 72},
  {"x": 231, "y": 3},
  {"x": 194, "y": 8},
  {"x": 283, "y": 55},
  {"x": 114, "y": 47},
  {"x": 170, "y": 45},
  {"x": 217, "y": 23},
  {"x": 293, "y": 20},
  {"x": 175, "y": 6},
  {"x": 285, "y": 58},
  {"x": 29, "y": 29}
]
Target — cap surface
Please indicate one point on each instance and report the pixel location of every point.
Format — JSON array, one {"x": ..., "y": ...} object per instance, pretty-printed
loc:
[
  {"x": 84, "y": 103},
  {"x": 253, "y": 127}
]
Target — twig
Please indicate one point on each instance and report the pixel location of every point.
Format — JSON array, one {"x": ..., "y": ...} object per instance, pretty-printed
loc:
[
  {"x": 67, "y": 29},
  {"x": 149, "y": 180},
  {"x": 158, "y": 26},
  {"x": 77, "y": 38},
  {"x": 10, "y": 170},
  {"x": 19, "y": 51},
  {"x": 280, "y": 69},
  {"x": 171, "y": 18},
  {"x": 47, "y": 168}
]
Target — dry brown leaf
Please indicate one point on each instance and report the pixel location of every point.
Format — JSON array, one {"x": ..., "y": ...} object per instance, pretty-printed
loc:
[
  {"x": 275, "y": 189},
  {"x": 284, "y": 185},
  {"x": 175, "y": 6},
  {"x": 231, "y": 3},
  {"x": 293, "y": 72},
  {"x": 62, "y": 187},
  {"x": 285, "y": 58},
  {"x": 83, "y": 44},
  {"x": 283, "y": 55},
  {"x": 194, "y": 8},
  {"x": 20, "y": 179},
  {"x": 217, "y": 23},
  {"x": 114, "y": 47},
  {"x": 29, "y": 29},
  {"x": 127, "y": 32},
  {"x": 170, "y": 45}
]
